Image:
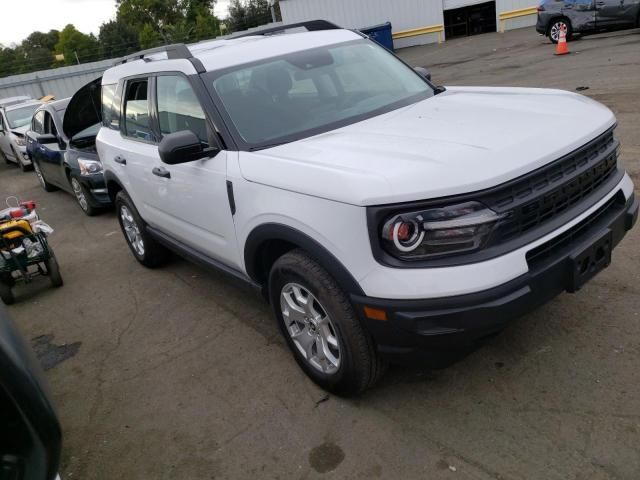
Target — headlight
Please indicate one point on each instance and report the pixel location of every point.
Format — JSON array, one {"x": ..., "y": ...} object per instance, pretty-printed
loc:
[
  {"x": 89, "y": 167},
  {"x": 454, "y": 229},
  {"x": 19, "y": 141}
]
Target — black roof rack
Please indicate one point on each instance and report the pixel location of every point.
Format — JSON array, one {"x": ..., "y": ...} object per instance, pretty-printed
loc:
[
  {"x": 176, "y": 50},
  {"x": 311, "y": 26}
]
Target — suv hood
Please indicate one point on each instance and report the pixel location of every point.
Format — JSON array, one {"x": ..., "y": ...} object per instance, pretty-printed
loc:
[
  {"x": 84, "y": 109},
  {"x": 460, "y": 141}
]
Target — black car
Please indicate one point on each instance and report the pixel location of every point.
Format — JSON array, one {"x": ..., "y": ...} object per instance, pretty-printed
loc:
[
  {"x": 30, "y": 433},
  {"x": 585, "y": 16},
  {"x": 66, "y": 158}
]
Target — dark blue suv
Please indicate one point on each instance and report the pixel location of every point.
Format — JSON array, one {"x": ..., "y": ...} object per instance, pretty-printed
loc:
[{"x": 586, "y": 16}]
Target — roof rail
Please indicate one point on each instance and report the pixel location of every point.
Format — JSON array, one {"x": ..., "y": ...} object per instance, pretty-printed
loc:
[
  {"x": 176, "y": 50},
  {"x": 311, "y": 26}
]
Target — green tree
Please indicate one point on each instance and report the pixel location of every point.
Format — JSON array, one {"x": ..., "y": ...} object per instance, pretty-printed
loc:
[
  {"x": 75, "y": 45},
  {"x": 149, "y": 37},
  {"x": 159, "y": 15},
  {"x": 207, "y": 26},
  {"x": 117, "y": 39},
  {"x": 244, "y": 14}
]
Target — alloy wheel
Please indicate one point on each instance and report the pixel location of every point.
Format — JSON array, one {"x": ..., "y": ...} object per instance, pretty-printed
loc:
[
  {"x": 36, "y": 167},
  {"x": 79, "y": 193},
  {"x": 555, "y": 30},
  {"x": 310, "y": 328},
  {"x": 132, "y": 231}
]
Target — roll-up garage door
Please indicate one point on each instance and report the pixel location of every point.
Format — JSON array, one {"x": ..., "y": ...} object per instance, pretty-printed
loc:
[{"x": 451, "y": 4}]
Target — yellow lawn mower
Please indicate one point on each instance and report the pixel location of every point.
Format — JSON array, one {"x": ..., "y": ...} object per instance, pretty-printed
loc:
[{"x": 25, "y": 252}]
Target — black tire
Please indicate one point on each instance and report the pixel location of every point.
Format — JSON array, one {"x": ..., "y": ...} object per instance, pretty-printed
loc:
[
  {"x": 46, "y": 186},
  {"x": 360, "y": 366},
  {"x": 80, "y": 192},
  {"x": 23, "y": 167},
  {"x": 53, "y": 271},
  {"x": 6, "y": 159},
  {"x": 556, "y": 23},
  {"x": 152, "y": 254},
  {"x": 6, "y": 294}
]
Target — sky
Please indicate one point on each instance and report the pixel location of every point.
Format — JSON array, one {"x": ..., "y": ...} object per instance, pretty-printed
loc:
[{"x": 26, "y": 16}]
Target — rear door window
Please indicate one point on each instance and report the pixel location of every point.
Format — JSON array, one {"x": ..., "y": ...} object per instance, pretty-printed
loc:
[{"x": 137, "y": 123}]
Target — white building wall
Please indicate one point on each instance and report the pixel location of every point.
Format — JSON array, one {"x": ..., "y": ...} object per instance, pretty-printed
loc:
[
  {"x": 521, "y": 22},
  {"x": 403, "y": 14}
]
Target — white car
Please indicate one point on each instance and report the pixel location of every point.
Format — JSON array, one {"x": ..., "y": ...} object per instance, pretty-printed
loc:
[
  {"x": 385, "y": 219},
  {"x": 15, "y": 120}
]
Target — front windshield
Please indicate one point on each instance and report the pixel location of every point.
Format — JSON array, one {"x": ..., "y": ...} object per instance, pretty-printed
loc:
[
  {"x": 20, "y": 117},
  {"x": 287, "y": 98}
]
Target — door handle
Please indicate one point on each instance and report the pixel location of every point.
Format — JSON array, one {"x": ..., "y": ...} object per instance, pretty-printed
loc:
[
  {"x": 120, "y": 160},
  {"x": 161, "y": 172}
]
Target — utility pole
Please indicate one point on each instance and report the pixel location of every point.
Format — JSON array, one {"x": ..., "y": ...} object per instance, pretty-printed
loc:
[
  {"x": 77, "y": 59},
  {"x": 273, "y": 13}
]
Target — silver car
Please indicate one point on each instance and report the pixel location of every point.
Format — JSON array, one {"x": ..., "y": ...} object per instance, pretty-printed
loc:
[{"x": 15, "y": 120}]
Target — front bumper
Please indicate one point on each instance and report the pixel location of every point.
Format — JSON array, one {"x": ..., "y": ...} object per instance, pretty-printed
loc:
[
  {"x": 97, "y": 187},
  {"x": 416, "y": 330}
]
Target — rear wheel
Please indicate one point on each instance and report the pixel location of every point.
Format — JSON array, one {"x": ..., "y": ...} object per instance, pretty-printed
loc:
[
  {"x": 53, "y": 270},
  {"x": 47, "y": 187},
  {"x": 6, "y": 294},
  {"x": 556, "y": 26},
  {"x": 321, "y": 327},
  {"x": 146, "y": 250}
]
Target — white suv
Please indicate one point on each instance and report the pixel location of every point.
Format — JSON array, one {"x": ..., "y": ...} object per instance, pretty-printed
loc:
[{"x": 384, "y": 218}]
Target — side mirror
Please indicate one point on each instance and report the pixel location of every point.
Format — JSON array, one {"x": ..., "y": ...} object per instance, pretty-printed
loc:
[
  {"x": 46, "y": 138},
  {"x": 183, "y": 147},
  {"x": 423, "y": 72}
]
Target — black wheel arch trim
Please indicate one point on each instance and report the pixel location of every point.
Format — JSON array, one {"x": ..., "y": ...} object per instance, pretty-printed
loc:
[{"x": 277, "y": 231}]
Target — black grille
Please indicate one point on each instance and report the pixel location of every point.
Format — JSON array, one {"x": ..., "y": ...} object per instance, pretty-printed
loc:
[
  {"x": 540, "y": 196},
  {"x": 569, "y": 238}
]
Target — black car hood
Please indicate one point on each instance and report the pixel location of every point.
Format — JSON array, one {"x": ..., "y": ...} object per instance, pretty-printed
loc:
[{"x": 84, "y": 109}]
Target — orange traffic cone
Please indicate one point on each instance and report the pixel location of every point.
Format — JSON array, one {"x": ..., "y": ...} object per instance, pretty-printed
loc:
[{"x": 561, "y": 47}]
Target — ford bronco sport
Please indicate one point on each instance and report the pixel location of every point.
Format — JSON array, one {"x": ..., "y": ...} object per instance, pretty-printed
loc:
[{"x": 383, "y": 217}]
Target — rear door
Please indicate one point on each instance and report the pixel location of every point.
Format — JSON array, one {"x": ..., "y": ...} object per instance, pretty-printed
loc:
[
  {"x": 136, "y": 152},
  {"x": 581, "y": 13},
  {"x": 615, "y": 13}
]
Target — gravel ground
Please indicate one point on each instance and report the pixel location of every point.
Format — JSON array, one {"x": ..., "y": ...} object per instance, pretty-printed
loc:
[{"x": 176, "y": 373}]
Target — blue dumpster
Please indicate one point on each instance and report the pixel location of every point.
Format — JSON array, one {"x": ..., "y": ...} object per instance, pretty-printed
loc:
[{"x": 381, "y": 34}]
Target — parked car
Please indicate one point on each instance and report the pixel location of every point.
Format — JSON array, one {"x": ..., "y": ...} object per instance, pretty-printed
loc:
[
  {"x": 14, "y": 122},
  {"x": 384, "y": 218},
  {"x": 585, "y": 16},
  {"x": 66, "y": 158},
  {"x": 30, "y": 433}
]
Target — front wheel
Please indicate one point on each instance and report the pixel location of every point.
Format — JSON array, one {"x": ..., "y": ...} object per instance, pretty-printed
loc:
[
  {"x": 321, "y": 327},
  {"x": 556, "y": 27},
  {"x": 82, "y": 197},
  {"x": 146, "y": 250},
  {"x": 23, "y": 166},
  {"x": 46, "y": 186}
]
